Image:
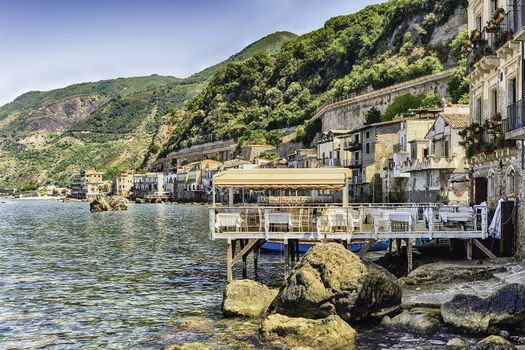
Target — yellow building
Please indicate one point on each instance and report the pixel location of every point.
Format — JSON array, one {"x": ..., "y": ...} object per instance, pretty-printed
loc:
[
  {"x": 87, "y": 185},
  {"x": 123, "y": 183}
]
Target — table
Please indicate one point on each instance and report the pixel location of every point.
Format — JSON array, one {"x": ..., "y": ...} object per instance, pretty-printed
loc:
[
  {"x": 277, "y": 219},
  {"x": 446, "y": 216},
  {"x": 228, "y": 220}
]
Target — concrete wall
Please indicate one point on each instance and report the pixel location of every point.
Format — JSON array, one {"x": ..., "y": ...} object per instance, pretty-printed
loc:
[{"x": 348, "y": 114}]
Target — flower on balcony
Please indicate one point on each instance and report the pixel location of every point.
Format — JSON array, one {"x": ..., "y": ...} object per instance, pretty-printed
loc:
[
  {"x": 492, "y": 26},
  {"x": 475, "y": 35},
  {"x": 499, "y": 15},
  {"x": 467, "y": 48}
]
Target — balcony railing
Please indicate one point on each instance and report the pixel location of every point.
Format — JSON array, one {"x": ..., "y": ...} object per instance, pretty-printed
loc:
[
  {"x": 353, "y": 146},
  {"x": 329, "y": 162},
  {"x": 515, "y": 116},
  {"x": 353, "y": 163}
]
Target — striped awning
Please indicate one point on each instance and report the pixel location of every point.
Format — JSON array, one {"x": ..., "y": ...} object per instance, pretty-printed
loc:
[{"x": 284, "y": 179}]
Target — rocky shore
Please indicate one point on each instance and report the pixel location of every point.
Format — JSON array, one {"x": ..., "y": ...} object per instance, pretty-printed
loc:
[{"x": 331, "y": 295}]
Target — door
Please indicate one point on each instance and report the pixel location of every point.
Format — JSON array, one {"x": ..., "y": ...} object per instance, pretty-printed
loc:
[{"x": 480, "y": 190}]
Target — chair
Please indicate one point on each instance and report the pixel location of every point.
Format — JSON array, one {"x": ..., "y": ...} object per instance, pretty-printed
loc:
[{"x": 382, "y": 220}]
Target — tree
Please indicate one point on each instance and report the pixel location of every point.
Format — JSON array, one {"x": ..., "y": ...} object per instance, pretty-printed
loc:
[
  {"x": 373, "y": 115},
  {"x": 269, "y": 155}
]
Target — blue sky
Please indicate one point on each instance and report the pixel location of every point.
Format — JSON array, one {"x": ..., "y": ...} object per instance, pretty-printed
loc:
[{"x": 46, "y": 44}]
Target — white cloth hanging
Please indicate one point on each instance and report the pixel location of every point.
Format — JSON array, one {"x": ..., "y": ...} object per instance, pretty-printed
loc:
[{"x": 495, "y": 225}]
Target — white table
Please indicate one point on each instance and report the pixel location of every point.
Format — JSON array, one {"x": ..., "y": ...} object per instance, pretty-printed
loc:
[
  {"x": 338, "y": 218},
  {"x": 228, "y": 220},
  {"x": 277, "y": 219},
  {"x": 455, "y": 217},
  {"x": 400, "y": 216}
]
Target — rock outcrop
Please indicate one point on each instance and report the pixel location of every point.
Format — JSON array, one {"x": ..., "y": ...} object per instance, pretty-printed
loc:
[
  {"x": 456, "y": 344},
  {"x": 494, "y": 342},
  {"x": 103, "y": 203},
  {"x": 506, "y": 306},
  {"x": 327, "y": 333},
  {"x": 247, "y": 298},
  {"x": 330, "y": 280},
  {"x": 419, "y": 320},
  {"x": 443, "y": 273}
]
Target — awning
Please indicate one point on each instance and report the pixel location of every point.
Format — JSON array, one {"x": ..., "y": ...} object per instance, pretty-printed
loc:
[{"x": 284, "y": 179}]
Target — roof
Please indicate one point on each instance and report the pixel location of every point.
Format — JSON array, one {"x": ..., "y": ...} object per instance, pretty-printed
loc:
[
  {"x": 457, "y": 120},
  {"x": 284, "y": 178}
]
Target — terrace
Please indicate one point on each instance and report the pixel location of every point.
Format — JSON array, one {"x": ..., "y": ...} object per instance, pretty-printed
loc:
[{"x": 292, "y": 221}]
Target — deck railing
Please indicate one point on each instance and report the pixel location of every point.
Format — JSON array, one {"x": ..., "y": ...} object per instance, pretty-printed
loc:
[{"x": 356, "y": 221}]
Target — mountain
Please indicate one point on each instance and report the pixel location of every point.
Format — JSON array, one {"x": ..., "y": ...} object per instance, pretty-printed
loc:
[
  {"x": 381, "y": 45},
  {"x": 108, "y": 125}
]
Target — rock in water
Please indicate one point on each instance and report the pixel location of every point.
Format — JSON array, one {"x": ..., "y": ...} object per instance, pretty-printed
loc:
[
  {"x": 456, "y": 344},
  {"x": 103, "y": 203},
  {"x": 506, "y": 306},
  {"x": 327, "y": 333},
  {"x": 420, "y": 320},
  {"x": 330, "y": 280},
  {"x": 494, "y": 342},
  {"x": 247, "y": 298},
  {"x": 99, "y": 204},
  {"x": 118, "y": 203}
]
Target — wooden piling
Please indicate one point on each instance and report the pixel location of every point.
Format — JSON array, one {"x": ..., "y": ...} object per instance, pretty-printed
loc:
[
  {"x": 286, "y": 259},
  {"x": 244, "y": 260},
  {"x": 229, "y": 261},
  {"x": 409, "y": 255},
  {"x": 469, "y": 249}
]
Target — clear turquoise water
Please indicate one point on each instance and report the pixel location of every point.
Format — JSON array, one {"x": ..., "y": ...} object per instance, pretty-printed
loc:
[{"x": 71, "y": 279}]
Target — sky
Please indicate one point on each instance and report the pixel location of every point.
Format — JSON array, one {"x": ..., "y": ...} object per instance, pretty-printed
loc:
[{"x": 47, "y": 44}]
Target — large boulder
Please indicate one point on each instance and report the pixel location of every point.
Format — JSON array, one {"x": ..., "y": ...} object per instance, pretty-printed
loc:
[
  {"x": 99, "y": 204},
  {"x": 327, "y": 333},
  {"x": 247, "y": 298},
  {"x": 471, "y": 313},
  {"x": 331, "y": 280},
  {"x": 118, "y": 203},
  {"x": 494, "y": 342},
  {"x": 420, "y": 320},
  {"x": 103, "y": 203}
]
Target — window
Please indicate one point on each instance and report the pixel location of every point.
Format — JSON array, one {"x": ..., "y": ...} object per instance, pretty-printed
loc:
[
  {"x": 513, "y": 91},
  {"x": 413, "y": 152},
  {"x": 367, "y": 147},
  {"x": 356, "y": 156},
  {"x": 493, "y": 102},
  {"x": 493, "y": 5},
  {"x": 425, "y": 152},
  {"x": 446, "y": 149},
  {"x": 368, "y": 134},
  {"x": 479, "y": 110},
  {"x": 511, "y": 182},
  {"x": 491, "y": 186}
]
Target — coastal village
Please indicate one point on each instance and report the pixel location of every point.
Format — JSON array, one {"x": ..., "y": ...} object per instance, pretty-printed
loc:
[{"x": 390, "y": 224}]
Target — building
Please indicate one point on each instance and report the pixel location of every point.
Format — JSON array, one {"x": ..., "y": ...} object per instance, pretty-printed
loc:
[
  {"x": 412, "y": 132},
  {"x": 496, "y": 95},
  {"x": 364, "y": 152},
  {"x": 329, "y": 151},
  {"x": 437, "y": 167},
  {"x": 123, "y": 184},
  {"x": 149, "y": 186},
  {"x": 194, "y": 180},
  {"x": 303, "y": 158},
  {"x": 87, "y": 184}
]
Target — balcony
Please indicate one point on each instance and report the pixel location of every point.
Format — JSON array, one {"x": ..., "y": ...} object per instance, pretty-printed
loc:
[
  {"x": 516, "y": 18},
  {"x": 329, "y": 163},
  {"x": 433, "y": 163},
  {"x": 353, "y": 146},
  {"x": 353, "y": 164},
  {"x": 514, "y": 125}
]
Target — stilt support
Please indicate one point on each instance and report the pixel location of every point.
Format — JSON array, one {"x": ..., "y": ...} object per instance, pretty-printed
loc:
[
  {"x": 484, "y": 249},
  {"x": 229, "y": 261},
  {"x": 286, "y": 259},
  {"x": 469, "y": 249},
  {"x": 409, "y": 256},
  {"x": 366, "y": 248}
]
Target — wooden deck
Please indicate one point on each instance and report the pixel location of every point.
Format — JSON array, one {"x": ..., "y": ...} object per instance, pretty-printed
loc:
[{"x": 251, "y": 226}]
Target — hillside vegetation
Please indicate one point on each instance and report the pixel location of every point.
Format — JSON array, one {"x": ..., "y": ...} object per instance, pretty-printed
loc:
[
  {"x": 107, "y": 125},
  {"x": 379, "y": 46}
]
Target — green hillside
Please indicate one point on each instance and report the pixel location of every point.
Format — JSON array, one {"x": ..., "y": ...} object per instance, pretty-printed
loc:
[
  {"x": 108, "y": 125},
  {"x": 270, "y": 45},
  {"x": 378, "y": 46}
]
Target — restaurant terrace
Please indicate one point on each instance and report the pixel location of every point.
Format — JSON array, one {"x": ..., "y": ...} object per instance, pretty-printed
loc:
[{"x": 296, "y": 210}]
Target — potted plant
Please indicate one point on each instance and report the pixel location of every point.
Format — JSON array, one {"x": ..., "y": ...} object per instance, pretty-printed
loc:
[
  {"x": 499, "y": 15},
  {"x": 475, "y": 35},
  {"x": 492, "y": 26}
]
